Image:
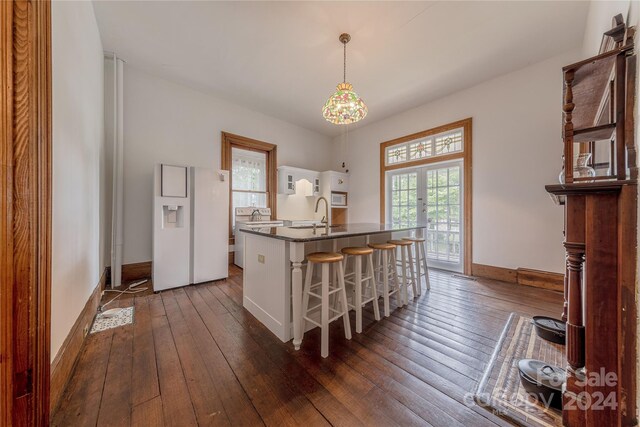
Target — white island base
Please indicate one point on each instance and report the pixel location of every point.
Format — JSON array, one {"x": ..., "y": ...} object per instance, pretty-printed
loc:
[{"x": 273, "y": 276}]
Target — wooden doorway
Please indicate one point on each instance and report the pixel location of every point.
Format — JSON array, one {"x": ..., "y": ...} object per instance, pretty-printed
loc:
[{"x": 25, "y": 211}]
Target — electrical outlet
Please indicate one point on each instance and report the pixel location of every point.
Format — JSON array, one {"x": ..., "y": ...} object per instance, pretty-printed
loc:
[{"x": 261, "y": 259}]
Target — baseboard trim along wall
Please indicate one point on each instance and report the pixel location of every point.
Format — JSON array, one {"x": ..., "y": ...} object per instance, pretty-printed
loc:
[
  {"x": 136, "y": 271},
  {"x": 65, "y": 361},
  {"x": 521, "y": 276}
]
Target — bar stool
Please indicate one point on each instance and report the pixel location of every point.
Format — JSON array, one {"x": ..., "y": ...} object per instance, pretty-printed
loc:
[
  {"x": 386, "y": 256},
  {"x": 359, "y": 254},
  {"x": 326, "y": 260},
  {"x": 406, "y": 268},
  {"x": 420, "y": 262}
]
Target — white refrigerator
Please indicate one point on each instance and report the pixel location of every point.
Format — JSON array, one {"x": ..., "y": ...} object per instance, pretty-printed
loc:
[
  {"x": 190, "y": 226},
  {"x": 209, "y": 225}
]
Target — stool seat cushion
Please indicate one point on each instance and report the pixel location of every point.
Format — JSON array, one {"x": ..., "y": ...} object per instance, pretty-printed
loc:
[
  {"x": 324, "y": 257},
  {"x": 381, "y": 246},
  {"x": 400, "y": 242},
  {"x": 414, "y": 239},
  {"x": 357, "y": 251}
]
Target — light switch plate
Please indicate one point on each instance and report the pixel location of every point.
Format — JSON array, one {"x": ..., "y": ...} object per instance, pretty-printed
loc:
[{"x": 261, "y": 259}]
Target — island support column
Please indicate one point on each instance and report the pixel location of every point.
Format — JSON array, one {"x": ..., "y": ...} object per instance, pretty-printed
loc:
[{"x": 296, "y": 255}]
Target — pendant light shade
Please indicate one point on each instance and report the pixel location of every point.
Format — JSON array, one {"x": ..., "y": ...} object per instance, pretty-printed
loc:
[{"x": 344, "y": 106}]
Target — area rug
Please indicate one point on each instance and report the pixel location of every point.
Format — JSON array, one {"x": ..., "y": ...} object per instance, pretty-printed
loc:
[
  {"x": 112, "y": 319},
  {"x": 500, "y": 390}
]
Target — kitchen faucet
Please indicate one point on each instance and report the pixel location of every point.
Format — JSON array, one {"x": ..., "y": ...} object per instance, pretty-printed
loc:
[{"x": 324, "y": 220}]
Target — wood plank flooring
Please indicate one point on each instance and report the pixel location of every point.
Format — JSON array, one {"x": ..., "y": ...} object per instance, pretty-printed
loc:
[{"x": 194, "y": 356}]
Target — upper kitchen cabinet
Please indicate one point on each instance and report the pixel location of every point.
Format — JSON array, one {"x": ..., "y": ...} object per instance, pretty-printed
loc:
[
  {"x": 336, "y": 181},
  {"x": 288, "y": 176}
]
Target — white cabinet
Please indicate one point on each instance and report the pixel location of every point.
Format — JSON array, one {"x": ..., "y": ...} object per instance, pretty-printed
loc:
[
  {"x": 286, "y": 181},
  {"x": 339, "y": 181},
  {"x": 288, "y": 176},
  {"x": 333, "y": 181}
]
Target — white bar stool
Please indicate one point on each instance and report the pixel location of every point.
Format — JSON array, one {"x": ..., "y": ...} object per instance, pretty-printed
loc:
[
  {"x": 406, "y": 268},
  {"x": 360, "y": 254},
  {"x": 326, "y": 259},
  {"x": 386, "y": 256},
  {"x": 420, "y": 262}
]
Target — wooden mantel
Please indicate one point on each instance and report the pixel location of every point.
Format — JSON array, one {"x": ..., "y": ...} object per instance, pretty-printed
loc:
[{"x": 601, "y": 237}]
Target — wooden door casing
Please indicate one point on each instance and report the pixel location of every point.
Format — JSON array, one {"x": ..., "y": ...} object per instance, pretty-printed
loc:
[{"x": 25, "y": 212}]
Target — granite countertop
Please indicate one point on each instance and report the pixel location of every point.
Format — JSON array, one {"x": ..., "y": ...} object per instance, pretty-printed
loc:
[{"x": 306, "y": 234}]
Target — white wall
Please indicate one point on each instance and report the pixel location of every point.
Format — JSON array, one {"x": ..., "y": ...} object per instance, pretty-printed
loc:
[
  {"x": 517, "y": 149},
  {"x": 168, "y": 122},
  {"x": 77, "y": 145}
]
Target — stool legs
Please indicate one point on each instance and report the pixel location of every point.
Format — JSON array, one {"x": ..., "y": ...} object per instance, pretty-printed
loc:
[
  {"x": 374, "y": 287},
  {"x": 418, "y": 264},
  {"x": 421, "y": 247},
  {"x": 385, "y": 281},
  {"x": 325, "y": 308},
  {"x": 345, "y": 306},
  {"x": 403, "y": 258},
  {"x": 394, "y": 271},
  {"x": 413, "y": 273},
  {"x": 358, "y": 292},
  {"x": 324, "y": 322},
  {"x": 359, "y": 283},
  {"x": 305, "y": 293}
]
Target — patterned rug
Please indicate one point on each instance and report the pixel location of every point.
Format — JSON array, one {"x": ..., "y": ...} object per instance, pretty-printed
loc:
[
  {"x": 112, "y": 319},
  {"x": 500, "y": 390}
]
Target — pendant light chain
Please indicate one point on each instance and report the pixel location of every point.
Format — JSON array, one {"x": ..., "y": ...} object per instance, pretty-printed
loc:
[{"x": 344, "y": 72}]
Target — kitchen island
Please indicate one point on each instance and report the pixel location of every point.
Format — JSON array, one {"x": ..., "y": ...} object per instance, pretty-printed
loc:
[{"x": 274, "y": 258}]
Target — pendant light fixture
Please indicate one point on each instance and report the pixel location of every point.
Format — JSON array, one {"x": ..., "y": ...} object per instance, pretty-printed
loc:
[{"x": 344, "y": 106}]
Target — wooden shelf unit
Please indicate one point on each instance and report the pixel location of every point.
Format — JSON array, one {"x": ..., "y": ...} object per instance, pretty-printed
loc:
[
  {"x": 601, "y": 235},
  {"x": 598, "y": 106}
]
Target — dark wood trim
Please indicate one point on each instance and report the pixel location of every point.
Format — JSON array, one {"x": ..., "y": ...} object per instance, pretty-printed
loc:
[
  {"x": 541, "y": 279},
  {"x": 64, "y": 362},
  {"x": 136, "y": 271},
  {"x": 25, "y": 212},
  {"x": 521, "y": 276},
  {"x": 229, "y": 141},
  {"x": 467, "y": 158},
  {"x": 495, "y": 273},
  {"x": 133, "y": 271},
  {"x": 6, "y": 228}
]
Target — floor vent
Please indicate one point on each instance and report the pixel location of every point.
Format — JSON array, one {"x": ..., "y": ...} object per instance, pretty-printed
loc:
[{"x": 112, "y": 318}]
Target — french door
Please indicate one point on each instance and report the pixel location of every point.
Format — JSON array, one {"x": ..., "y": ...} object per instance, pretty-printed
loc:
[{"x": 431, "y": 195}]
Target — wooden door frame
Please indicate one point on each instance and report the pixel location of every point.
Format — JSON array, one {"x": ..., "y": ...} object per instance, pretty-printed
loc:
[
  {"x": 465, "y": 155},
  {"x": 25, "y": 211},
  {"x": 230, "y": 140}
]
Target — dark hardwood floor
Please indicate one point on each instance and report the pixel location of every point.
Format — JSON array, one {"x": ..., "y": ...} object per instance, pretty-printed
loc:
[{"x": 194, "y": 356}]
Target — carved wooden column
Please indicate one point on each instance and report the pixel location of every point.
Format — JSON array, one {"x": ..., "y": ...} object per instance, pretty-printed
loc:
[
  {"x": 567, "y": 108},
  {"x": 575, "y": 345}
]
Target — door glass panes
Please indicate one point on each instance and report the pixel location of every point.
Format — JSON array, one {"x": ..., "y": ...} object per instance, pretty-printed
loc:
[
  {"x": 449, "y": 143},
  {"x": 404, "y": 198},
  {"x": 397, "y": 154},
  {"x": 444, "y": 214},
  {"x": 431, "y": 146}
]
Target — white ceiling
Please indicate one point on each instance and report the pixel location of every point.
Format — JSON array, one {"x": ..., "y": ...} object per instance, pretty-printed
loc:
[{"x": 284, "y": 58}]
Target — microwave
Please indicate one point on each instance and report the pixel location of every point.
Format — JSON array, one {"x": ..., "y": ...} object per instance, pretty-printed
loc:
[{"x": 338, "y": 199}]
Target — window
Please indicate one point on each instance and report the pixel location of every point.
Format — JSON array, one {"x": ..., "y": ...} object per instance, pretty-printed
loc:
[
  {"x": 253, "y": 175},
  {"x": 248, "y": 179},
  {"x": 435, "y": 145}
]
